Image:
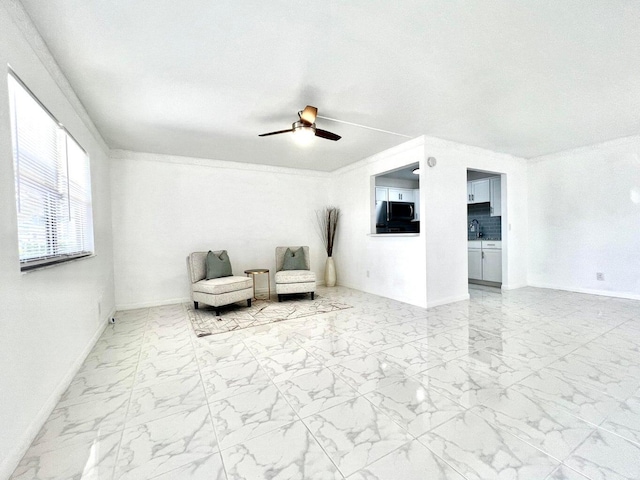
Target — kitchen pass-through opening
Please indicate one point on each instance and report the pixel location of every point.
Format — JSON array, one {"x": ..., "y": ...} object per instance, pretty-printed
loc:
[{"x": 396, "y": 208}]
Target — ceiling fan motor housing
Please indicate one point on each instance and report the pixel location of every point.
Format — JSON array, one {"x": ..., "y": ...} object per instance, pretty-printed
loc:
[{"x": 301, "y": 124}]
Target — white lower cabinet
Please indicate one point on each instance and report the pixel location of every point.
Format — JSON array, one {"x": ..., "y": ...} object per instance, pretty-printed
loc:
[
  {"x": 485, "y": 261},
  {"x": 475, "y": 264},
  {"x": 492, "y": 265}
]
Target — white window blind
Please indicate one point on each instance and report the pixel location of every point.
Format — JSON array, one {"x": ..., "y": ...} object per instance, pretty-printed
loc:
[{"x": 53, "y": 184}]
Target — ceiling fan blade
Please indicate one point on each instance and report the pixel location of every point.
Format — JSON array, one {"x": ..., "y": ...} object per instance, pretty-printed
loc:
[
  {"x": 309, "y": 114},
  {"x": 328, "y": 135},
  {"x": 275, "y": 133}
]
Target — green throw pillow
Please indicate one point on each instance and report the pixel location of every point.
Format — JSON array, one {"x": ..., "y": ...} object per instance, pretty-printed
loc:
[
  {"x": 294, "y": 260},
  {"x": 218, "y": 265}
]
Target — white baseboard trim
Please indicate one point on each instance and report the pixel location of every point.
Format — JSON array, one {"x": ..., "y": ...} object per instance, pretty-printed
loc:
[
  {"x": 173, "y": 301},
  {"x": 406, "y": 300},
  {"x": 444, "y": 301},
  {"x": 590, "y": 291},
  {"x": 156, "y": 303},
  {"x": 11, "y": 461},
  {"x": 514, "y": 287}
]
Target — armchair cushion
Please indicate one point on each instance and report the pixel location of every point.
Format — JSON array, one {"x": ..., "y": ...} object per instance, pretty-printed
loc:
[
  {"x": 218, "y": 265},
  {"x": 295, "y": 276},
  {"x": 294, "y": 260},
  {"x": 218, "y": 286}
]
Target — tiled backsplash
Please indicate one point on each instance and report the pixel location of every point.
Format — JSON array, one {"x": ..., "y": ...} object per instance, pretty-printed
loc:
[{"x": 491, "y": 227}]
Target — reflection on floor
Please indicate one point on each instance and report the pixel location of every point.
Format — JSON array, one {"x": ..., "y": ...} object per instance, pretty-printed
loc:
[{"x": 523, "y": 384}]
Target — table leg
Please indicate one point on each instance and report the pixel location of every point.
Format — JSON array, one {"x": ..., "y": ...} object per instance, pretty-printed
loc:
[{"x": 253, "y": 278}]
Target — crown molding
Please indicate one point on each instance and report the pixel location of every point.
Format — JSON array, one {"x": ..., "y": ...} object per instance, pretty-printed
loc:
[
  {"x": 436, "y": 142},
  {"x": 408, "y": 145},
  {"x": 118, "y": 154},
  {"x": 588, "y": 149},
  {"x": 21, "y": 19}
]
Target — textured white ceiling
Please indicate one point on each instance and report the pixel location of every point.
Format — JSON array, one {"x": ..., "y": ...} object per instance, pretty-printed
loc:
[{"x": 203, "y": 78}]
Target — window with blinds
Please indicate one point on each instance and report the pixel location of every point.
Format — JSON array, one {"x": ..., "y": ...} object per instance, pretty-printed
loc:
[{"x": 53, "y": 184}]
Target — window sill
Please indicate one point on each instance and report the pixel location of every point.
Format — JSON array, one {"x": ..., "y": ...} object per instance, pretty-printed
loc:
[{"x": 54, "y": 263}]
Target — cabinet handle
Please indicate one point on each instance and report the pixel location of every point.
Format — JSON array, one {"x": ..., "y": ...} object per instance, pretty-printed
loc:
[
  {"x": 473, "y": 196},
  {"x": 482, "y": 254}
]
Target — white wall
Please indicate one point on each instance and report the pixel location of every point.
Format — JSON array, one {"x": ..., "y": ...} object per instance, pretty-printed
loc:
[
  {"x": 430, "y": 269},
  {"x": 445, "y": 214},
  {"x": 48, "y": 318},
  {"x": 584, "y": 210},
  {"x": 165, "y": 207},
  {"x": 396, "y": 264}
]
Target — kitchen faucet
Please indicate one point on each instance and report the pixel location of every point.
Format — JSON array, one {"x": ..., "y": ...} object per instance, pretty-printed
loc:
[{"x": 474, "y": 226}]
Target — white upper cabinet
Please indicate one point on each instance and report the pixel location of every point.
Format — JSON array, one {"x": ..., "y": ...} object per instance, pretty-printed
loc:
[
  {"x": 496, "y": 197},
  {"x": 382, "y": 194},
  {"x": 401, "y": 195},
  {"x": 479, "y": 191}
]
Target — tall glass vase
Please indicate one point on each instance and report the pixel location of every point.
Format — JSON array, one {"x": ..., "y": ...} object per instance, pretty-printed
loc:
[{"x": 330, "y": 273}]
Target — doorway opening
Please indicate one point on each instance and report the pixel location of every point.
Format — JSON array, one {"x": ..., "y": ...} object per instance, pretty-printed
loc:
[{"x": 486, "y": 240}]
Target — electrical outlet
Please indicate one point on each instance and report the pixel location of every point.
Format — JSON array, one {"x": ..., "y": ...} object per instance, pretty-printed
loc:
[
  {"x": 600, "y": 276},
  {"x": 367, "y": 273}
]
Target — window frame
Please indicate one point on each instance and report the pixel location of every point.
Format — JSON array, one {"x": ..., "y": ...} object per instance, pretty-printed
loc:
[{"x": 53, "y": 254}]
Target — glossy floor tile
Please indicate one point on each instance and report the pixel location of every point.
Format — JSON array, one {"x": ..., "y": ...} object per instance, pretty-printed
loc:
[{"x": 521, "y": 384}]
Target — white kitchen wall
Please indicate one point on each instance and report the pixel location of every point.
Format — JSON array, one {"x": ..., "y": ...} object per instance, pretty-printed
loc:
[
  {"x": 165, "y": 207},
  {"x": 430, "y": 269},
  {"x": 49, "y": 318},
  {"x": 388, "y": 265},
  {"x": 445, "y": 214},
  {"x": 584, "y": 211}
]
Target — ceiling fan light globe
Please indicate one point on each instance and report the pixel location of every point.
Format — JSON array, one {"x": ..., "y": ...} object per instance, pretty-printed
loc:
[{"x": 303, "y": 135}]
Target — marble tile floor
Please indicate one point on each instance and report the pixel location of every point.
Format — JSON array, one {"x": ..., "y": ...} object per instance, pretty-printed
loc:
[{"x": 523, "y": 384}]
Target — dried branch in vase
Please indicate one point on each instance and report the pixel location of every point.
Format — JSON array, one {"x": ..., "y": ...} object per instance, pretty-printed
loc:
[{"x": 328, "y": 223}]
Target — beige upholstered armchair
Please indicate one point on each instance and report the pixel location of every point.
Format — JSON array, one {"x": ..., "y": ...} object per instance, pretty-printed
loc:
[
  {"x": 216, "y": 291},
  {"x": 298, "y": 280}
]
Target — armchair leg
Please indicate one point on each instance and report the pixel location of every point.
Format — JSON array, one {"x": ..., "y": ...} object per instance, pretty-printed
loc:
[
  {"x": 248, "y": 302},
  {"x": 195, "y": 305},
  {"x": 313, "y": 295},
  {"x": 279, "y": 297},
  {"x": 217, "y": 312}
]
